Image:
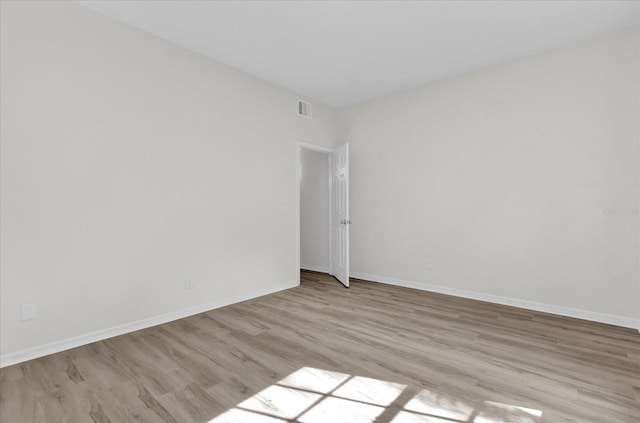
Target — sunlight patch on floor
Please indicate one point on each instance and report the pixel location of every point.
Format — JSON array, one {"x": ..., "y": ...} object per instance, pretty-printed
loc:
[
  {"x": 408, "y": 417},
  {"x": 316, "y": 380},
  {"x": 279, "y": 401},
  {"x": 337, "y": 410},
  {"x": 373, "y": 391},
  {"x": 498, "y": 412},
  {"x": 433, "y": 403},
  {"x": 311, "y": 395}
]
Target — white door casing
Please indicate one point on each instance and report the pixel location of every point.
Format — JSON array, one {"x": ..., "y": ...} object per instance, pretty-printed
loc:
[{"x": 339, "y": 260}]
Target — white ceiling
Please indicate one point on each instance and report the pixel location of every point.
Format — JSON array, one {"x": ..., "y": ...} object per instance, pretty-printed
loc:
[{"x": 342, "y": 52}]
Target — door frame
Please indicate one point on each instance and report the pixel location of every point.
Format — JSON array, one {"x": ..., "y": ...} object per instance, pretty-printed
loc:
[{"x": 300, "y": 145}]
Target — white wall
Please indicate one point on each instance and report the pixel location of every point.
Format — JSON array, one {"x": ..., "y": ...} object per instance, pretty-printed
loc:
[
  {"x": 314, "y": 211},
  {"x": 500, "y": 177},
  {"x": 130, "y": 165}
]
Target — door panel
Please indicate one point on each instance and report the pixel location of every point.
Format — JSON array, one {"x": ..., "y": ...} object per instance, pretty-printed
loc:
[{"x": 340, "y": 214}]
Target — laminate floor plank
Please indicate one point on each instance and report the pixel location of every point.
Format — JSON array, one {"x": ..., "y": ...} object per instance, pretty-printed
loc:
[{"x": 323, "y": 353}]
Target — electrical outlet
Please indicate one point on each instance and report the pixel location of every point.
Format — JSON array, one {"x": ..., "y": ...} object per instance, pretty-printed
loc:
[
  {"x": 188, "y": 284},
  {"x": 429, "y": 265},
  {"x": 28, "y": 311}
]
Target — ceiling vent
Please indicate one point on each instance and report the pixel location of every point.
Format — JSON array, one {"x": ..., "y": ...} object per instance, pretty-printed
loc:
[{"x": 304, "y": 109}]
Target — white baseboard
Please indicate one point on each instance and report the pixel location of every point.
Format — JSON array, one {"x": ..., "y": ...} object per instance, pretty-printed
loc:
[
  {"x": 611, "y": 319},
  {"x": 99, "y": 335},
  {"x": 314, "y": 268}
]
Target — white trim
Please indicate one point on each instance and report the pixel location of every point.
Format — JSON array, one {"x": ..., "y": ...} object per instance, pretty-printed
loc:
[
  {"x": 297, "y": 202},
  {"x": 314, "y": 268},
  {"x": 329, "y": 217},
  {"x": 611, "y": 319},
  {"x": 314, "y": 147},
  {"x": 102, "y": 334}
]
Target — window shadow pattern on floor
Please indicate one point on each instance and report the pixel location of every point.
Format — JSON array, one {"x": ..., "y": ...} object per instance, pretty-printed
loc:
[{"x": 311, "y": 395}]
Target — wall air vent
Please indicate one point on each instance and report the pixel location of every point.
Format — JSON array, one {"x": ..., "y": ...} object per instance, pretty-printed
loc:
[{"x": 304, "y": 109}]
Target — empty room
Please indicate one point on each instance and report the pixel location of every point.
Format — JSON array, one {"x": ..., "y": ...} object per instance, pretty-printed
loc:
[{"x": 319, "y": 211}]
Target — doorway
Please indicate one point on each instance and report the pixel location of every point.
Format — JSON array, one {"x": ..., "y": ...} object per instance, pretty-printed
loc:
[
  {"x": 322, "y": 210},
  {"x": 314, "y": 210}
]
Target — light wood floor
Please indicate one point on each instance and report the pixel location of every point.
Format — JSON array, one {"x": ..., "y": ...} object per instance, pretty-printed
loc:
[{"x": 323, "y": 353}]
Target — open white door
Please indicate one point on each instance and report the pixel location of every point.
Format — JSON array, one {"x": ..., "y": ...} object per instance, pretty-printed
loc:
[{"x": 340, "y": 214}]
